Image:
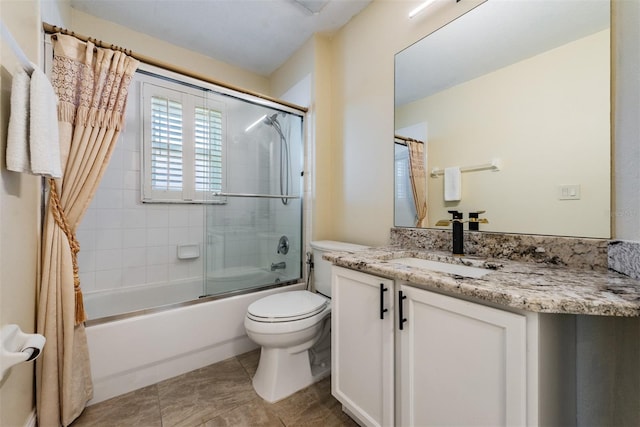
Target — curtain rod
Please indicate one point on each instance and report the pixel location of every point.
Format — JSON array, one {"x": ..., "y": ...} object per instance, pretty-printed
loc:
[
  {"x": 52, "y": 29},
  {"x": 404, "y": 140}
]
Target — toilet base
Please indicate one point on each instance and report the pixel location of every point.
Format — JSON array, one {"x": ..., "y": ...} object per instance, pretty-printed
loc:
[{"x": 280, "y": 373}]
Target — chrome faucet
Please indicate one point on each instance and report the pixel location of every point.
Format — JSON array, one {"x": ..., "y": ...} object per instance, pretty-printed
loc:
[{"x": 278, "y": 266}]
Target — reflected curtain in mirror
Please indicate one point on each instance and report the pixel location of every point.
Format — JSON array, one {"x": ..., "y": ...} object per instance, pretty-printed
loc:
[{"x": 418, "y": 180}]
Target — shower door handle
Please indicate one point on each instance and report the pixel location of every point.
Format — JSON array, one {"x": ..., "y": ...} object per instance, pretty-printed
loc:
[{"x": 382, "y": 309}]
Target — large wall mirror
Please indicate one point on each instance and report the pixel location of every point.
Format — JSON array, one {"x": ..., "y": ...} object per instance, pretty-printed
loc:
[{"x": 511, "y": 102}]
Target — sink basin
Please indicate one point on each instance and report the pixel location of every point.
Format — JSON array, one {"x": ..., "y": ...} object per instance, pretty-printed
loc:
[{"x": 443, "y": 267}]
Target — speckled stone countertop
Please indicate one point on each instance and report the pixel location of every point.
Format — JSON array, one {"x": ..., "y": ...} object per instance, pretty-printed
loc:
[{"x": 536, "y": 287}]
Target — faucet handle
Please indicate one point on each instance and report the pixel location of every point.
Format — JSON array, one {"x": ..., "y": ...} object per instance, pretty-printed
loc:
[
  {"x": 456, "y": 214},
  {"x": 443, "y": 223},
  {"x": 475, "y": 220}
]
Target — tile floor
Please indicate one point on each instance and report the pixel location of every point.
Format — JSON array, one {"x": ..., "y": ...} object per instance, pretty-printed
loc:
[{"x": 216, "y": 395}]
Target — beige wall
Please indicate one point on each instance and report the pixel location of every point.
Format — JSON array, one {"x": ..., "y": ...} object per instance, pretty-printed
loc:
[
  {"x": 313, "y": 59},
  {"x": 543, "y": 141},
  {"x": 362, "y": 115},
  {"x": 19, "y": 208}
]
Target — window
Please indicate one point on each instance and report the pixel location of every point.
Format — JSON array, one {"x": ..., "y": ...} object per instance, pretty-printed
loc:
[{"x": 183, "y": 143}]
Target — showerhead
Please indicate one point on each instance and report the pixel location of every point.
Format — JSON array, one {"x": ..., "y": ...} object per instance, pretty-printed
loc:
[{"x": 270, "y": 120}]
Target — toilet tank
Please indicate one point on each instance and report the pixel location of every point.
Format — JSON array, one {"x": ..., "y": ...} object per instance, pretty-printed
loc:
[{"x": 322, "y": 268}]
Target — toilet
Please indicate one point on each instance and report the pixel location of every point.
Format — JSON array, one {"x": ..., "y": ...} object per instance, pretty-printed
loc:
[{"x": 294, "y": 330}]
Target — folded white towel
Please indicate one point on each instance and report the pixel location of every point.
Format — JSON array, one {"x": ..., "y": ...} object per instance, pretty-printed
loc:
[
  {"x": 17, "y": 153},
  {"x": 44, "y": 140},
  {"x": 452, "y": 184}
]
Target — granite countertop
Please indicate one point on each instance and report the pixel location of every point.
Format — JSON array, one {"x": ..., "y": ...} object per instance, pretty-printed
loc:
[{"x": 536, "y": 287}]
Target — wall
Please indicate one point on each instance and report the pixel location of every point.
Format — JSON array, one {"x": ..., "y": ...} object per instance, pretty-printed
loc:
[
  {"x": 542, "y": 140},
  {"x": 19, "y": 221},
  {"x": 313, "y": 61},
  {"x": 608, "y": 348},
  {"x": 626, "y": 147},
  {"x": 363, "y": 131},
  {"x": 362, "y": 114}
]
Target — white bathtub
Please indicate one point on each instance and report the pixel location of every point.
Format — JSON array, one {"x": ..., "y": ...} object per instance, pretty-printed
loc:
[
  {"x": 116, "y": 301},
  {"x": 139, "y": 351}
]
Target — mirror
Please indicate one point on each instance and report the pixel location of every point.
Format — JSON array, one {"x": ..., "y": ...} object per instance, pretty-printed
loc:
[{"x": 516, "y": 95}]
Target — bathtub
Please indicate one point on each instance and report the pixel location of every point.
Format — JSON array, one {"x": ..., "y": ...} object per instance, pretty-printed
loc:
[
  {"x": 115, "y": 301},
  {"x": 135, "y": 352}
]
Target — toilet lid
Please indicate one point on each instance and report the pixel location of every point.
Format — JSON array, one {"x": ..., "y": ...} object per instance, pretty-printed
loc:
[{"x": 288, "y": 306}]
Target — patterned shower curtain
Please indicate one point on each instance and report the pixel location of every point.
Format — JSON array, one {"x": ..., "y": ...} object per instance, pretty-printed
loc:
[{"x": 91, "y": 84}]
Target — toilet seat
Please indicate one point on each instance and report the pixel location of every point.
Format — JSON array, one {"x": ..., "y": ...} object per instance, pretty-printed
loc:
[{"x": 287, "y": 307}]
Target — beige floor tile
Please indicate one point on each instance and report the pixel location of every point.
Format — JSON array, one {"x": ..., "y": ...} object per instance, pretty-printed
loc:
[
  {"x": 219, "y": 395},
  {"x": 255, "y": 414},
  {"x": 250, "y": 361},
  {"x": 313, "y": 406},
  {"x": 201, "y": 395},
  {"x": 137, "y": 408}
]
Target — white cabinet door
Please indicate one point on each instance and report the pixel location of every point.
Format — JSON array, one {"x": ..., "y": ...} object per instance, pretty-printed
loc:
[
  {"x": 460, "y": 363},
  {"x": 362, "y": 346}
]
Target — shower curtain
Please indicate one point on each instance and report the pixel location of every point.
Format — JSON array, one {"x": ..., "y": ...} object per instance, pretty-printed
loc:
[
  {"x": 418, "y": 180},
  {"x": 91, "y": 84}
]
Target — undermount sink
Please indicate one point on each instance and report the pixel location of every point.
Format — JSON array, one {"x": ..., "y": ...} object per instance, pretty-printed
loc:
[{"x": 443, "y": 267}]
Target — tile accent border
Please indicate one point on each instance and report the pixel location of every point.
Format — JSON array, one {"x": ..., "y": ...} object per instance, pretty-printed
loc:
[{"x": 574, "y": 252}]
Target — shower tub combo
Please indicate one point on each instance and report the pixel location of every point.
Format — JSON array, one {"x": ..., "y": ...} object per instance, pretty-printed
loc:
[{"x": 167, "y": 283}]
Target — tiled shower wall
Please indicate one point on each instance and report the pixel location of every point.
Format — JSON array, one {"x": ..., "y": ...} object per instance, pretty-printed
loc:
[{"x": 124, "y": 242}]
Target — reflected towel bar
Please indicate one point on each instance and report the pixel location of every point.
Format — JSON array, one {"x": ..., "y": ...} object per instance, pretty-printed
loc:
[
  {"x": 263, "y": 196},
  {"x": 493, "y": 166}
]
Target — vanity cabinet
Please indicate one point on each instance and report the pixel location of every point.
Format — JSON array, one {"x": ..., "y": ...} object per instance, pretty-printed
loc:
[
  {"x": 408, "y": 356},
  {"x": 458, "y": 362},
  {"x": 362, "y": 342}
]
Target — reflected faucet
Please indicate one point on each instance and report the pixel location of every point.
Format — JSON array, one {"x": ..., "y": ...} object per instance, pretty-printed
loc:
[{"x": 278, "y": 266}]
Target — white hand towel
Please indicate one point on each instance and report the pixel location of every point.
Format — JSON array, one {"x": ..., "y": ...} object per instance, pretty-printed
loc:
[
  {"x": 17, "y": 153},
  {"x": 452, "y": 184},
  {"x": 44, "y": 140}
]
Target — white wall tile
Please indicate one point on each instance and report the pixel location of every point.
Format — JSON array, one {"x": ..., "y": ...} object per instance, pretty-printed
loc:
[
  {"x": 134, "y": 257},
  {"x": 157, "y": 237},
  {"x": 134, "y": 238},
  {"x": 134, "y": 276},
  {"x": 108, "y": 239},
  {"x": 158, "y": 255},
  {"x": 157, "y": 217},
  {"x": 108, "y": 259},
  {"x": 108, "y": 279}
]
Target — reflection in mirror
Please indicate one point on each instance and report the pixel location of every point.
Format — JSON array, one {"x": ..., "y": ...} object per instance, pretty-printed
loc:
[{"x": 526, "y": 82}]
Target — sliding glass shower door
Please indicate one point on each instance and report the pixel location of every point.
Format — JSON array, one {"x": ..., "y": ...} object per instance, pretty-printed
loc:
[{"x": 254, "y": 223}]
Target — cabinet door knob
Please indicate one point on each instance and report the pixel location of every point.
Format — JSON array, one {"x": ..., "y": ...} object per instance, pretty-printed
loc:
[
  {"x": 382, "y": 309},
  {"x": 401, "y": 318}
]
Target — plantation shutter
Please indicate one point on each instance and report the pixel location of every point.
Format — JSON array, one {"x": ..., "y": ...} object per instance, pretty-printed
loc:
[
  {"x": 166, "y": 144},
  {"x": 183, "y": 144},
  {"x": 208, "y": 150}
]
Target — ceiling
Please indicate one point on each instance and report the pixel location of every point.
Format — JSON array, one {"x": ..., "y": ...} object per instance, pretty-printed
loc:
[
  {"x": 491, "y": 36},
  {"x": 256, "y": 35}
]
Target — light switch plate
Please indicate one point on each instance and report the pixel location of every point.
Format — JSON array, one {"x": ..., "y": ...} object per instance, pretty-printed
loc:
[{"x": 569, "y": 192}]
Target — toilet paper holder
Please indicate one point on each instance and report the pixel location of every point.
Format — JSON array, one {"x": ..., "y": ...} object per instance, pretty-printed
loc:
[{"x": 17, "y": 347}]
